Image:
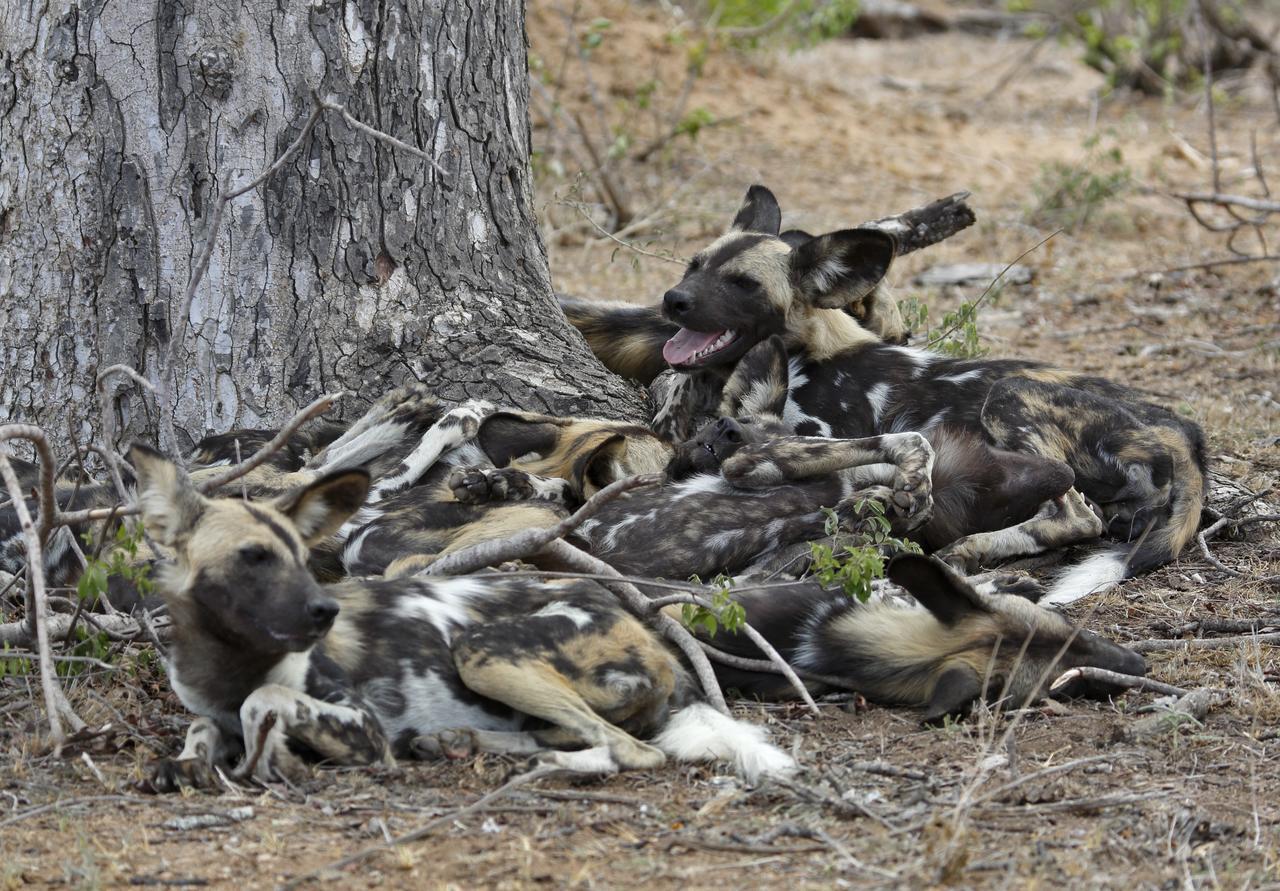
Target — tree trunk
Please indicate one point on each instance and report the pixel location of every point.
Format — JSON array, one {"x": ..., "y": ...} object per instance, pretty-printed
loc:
[{"x": 354, "y": 267}]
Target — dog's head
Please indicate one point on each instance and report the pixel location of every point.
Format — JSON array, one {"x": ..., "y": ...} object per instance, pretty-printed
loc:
[
  {"x": 588, "y": 452},
  {"x": 1002, "y": 645},
  {"x": 754, "y": 282},
  {"x": 752, "y": 409},
  {"x": 240, "y": 568}
]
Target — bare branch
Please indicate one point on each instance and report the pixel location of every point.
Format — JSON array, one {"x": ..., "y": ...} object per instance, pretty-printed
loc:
[
  {"x": 279, "y": 441},
  {"x": 54, "y": 702},
  {"x": 638, "y": 604},
  {"x": 378, "y": 134},
  {"x": 531, "y": 541}
]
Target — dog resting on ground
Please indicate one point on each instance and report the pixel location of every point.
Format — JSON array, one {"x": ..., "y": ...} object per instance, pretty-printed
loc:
[
  {"x": 284, "y": 669},
  {"x": 1140, "y": 464},
  {"x": 957, "y": 646}
]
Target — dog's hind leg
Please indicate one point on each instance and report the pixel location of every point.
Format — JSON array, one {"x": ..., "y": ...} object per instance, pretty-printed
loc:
[
  {"x": 1063, "y": 521},
  {"x": 579, "y": 664}
]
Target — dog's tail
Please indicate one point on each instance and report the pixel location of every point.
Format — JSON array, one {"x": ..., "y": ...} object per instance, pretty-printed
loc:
[
  {"x": 698, "y": 732},
  {"x": 1172, "y": 531},
  {"x": 628, "y": 339}
]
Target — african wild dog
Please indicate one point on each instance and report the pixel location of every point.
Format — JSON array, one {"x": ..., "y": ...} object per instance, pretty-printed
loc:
[
  {"x": 732, "y": 499},
  {"x": 1142, "y": 465},
  {"x": 379, "y": 439},
  {"x": 285, "y": 669},
  {"x": 514, "y": 470},
  {"x": 943, "y": 654},
  {"x": 714, "y": 516}
]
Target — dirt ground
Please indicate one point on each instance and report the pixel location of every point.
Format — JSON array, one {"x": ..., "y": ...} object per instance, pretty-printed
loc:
[{"x": 1061, "y": 795}]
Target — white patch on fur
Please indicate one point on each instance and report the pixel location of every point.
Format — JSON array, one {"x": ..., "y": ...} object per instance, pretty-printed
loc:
[
  {"x": 700, "y": 733},
  {"x": 445, "y": 434},
  {"x": 936, "y": 420},
  {"x": 558, "y": 608},
  {"x": 702, "y": 484},
  {"x": 792, "y": 413},
  {"x": 960, "y": 378},
  {"x": 722, "y": 541},
  {"x": 431, "y": 706},
  {"x": 921, "y": 359},
  {"x": 596, "y": 760},
  {"x": 825, "y": 275},
  {"x": 291, "y": 671},
  {"x": 878, "y": 399},
  {"x": 1091, "y": 575},
  {"x": 351, "y": 553},
  {"x": 446, "y": 608}
]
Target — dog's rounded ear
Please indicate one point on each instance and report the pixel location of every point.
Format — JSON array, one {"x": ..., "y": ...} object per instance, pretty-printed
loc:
[
  {"x": 319, "y": 509},
  {"x": 759, "y": 383},
  {"x": 795, "y": 237},
  {"x": 759, "y": 213},
  {"x": 170, "y": 504},
  {"x": 834, "y": 270},
  {"x": 939, "y": 588}
]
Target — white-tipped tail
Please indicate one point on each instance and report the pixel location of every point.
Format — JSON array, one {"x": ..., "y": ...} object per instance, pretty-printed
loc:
[
  {"x": 700, "y": 733},
  {"x": 1090, "y": 576}
]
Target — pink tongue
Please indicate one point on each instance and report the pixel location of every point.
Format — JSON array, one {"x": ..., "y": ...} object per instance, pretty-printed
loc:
[{"x": 680, "y": 349}]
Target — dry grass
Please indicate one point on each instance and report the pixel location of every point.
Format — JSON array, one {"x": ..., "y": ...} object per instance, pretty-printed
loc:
[{"x": 844, "y": 132}]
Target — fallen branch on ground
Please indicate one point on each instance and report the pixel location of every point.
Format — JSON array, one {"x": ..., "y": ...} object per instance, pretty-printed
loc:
[
  {"x": 1115, "y": 678},
  {"x": 1202, "y": 643}
]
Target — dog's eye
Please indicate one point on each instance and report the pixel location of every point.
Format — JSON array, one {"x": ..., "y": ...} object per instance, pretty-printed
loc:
[
  {"x": 257, "y": 555},
  {"x": 743, "y": 282},
  {"x": 746, "y": 422},
  {"x": 694, "y": 265}
]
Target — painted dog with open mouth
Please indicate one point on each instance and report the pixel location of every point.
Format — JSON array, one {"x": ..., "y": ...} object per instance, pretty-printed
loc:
[{"x": 1140, "y": 464}]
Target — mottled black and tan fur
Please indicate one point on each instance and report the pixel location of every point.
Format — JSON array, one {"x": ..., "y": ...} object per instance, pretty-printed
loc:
[
  {"x": 942, "y": 650},
  {"x": 286, "y": 671},
  {"x": 1141, "y": 465}
]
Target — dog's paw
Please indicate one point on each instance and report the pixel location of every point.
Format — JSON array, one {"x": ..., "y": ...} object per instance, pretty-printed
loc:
[
  {"x": 912, "y": 501},
  {"x": 453, "y": 745},
  {"x": 465, "y": 420},
  {"x": 167, "y": 775},
  {"x": 960, "y": 558}
]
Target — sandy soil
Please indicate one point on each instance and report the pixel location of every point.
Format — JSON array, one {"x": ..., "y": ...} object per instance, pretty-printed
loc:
[{"x": 1057, "y": 796}]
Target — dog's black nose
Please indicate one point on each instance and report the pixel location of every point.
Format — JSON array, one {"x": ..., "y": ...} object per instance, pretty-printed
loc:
[
  {"x": 322, "y": 610},
  {"x": 729, "y": 430},
  {"x": 677, "y": 303}
]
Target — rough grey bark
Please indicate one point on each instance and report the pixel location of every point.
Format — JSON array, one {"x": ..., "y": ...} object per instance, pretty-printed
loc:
[{"x": 355, "y": 267}]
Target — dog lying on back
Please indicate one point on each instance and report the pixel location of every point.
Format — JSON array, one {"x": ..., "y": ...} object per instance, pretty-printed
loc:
[
  {"x": 1142, "y": 465},
  {"x": 354, "y": 673}
]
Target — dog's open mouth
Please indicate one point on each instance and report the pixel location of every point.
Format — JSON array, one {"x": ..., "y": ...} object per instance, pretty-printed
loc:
[{"x": 695, "y": 347}]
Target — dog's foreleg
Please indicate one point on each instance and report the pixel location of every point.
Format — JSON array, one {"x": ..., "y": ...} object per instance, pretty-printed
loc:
[
  {"x": 478, "y": 485},
  {"x": 273, "y": 715},
  {"x": 1060, "y": 522},
  {"x": 798, "y": 457},
  {"x": 205, "y": 748}
]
